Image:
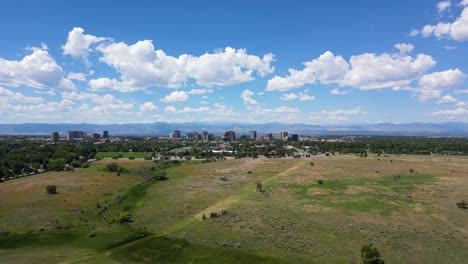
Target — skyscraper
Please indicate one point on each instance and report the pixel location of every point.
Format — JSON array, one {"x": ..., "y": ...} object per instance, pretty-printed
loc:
[
  {"x": 54, "y": 137},
  {"x": 105, "y": 134},
  {"x": 253, "y": 135},
  {"x": 229, "y": 136}
]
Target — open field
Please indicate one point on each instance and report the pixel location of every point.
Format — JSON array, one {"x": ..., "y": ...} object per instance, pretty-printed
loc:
[{"x": 411, "y": 219}]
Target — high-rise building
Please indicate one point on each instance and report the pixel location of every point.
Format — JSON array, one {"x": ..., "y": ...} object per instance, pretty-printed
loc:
[
  {"x": 294, "y": 137},
  {"x": 269, "y": 136},
  {"x": 105, "y": 134},
  {"x": 253, "y": 135},
  {"x": 74, "y": 135},
  {"x": 205, "y": 136},
  {"x": 283, "y": 135},
  {"x": 54, "y": 137},
  {"x": 229, "y": 136},
  {"x": 96, "y": 136},
  {"x": 175, "y": 134}
]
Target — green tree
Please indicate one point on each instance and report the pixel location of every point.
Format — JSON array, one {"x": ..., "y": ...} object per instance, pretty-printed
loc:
[
  {"x": 370, "y": 255},
  {"x": 51, "y": 189},
  {"x": 57, "y": 164}
]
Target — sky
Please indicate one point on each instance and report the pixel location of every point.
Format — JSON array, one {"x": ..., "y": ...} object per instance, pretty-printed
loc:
[{"x": 313, "y": 62}]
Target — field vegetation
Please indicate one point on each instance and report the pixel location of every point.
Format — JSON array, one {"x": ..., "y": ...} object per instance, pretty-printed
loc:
[{"x": 341, "y": 209}]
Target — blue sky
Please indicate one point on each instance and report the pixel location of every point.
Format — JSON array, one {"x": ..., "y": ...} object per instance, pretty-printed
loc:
[{"x": 313, "y": 62}]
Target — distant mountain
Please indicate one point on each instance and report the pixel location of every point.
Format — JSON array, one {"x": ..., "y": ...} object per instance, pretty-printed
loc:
[{"x": 162, "y": 128}]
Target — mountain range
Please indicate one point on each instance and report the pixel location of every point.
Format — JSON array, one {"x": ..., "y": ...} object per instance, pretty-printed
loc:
[{"x": 163, "y": 129}]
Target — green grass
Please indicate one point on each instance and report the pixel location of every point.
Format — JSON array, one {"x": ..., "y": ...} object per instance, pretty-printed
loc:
[
  {"x": 141, "y": 155},
  {"x": 383, "y": 194},
  {"x": 172, "y": 250}
]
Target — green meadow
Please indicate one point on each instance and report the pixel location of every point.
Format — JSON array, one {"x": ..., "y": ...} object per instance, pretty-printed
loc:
[{"x": 319, "y": 212}]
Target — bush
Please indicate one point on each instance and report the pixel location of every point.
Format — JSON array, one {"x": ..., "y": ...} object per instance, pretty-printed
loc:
[
  {"x": 112, "y": 167},
  {"x": 51, "y": 189},
  {"x": 320, "y": 182},
  {"x": 131, "y": 158},
  {"x": 462, "y": 205},
  {"x": 85, "y": 165},
  {"x": 370, "y": 255},
  {"x": 312, "y": 163}
]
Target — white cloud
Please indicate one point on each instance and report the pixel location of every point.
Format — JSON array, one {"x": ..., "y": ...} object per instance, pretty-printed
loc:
[
  {"x": 463, "y": 3},
  {"x": 432, "y": 85},
  {"x": 289, "y": 97},
  {"x": 450, "y": 99},
  {"x": 456, "y": 30},
  {"x": 103, "y": 84},
  {"x": 327, "y": 68},
  {"x": 7, "y": 94},
  {"x": 141, "y": 66},
  {"x": 199, "y": 91},
  {"x": 194, "y": 110},
  {"x": 335, "y": 115},
  {"x": 78, "y": 44},
  {"x": 186, "y": 110},
  {"x": 246, "y": 95},
  {"x": 228, "y": 67},
  {"x": 414, "y": 33},
  {"x": 175, "y": 97},
  {"x": 38, "y": 70},
  {"x": 339, "y": 92},
  {"x": 170, "y": 109},
  {"x": 306, "y": 97},
  {"x": 460, "y": 111},
  {"x": 106, "y": 101},
  {"x": 148, "y": 107},
  {"x": 404, "y": 48},
  {"x": 366, "y": 71},
  {"x": 461, "y": 91},
  {"x": 78, "y": 76},
  {"x": 442, "y": 6},
  {"x": 301, "y": 96}
]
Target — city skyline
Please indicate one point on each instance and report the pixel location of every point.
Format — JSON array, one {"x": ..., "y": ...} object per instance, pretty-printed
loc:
[{"x": 294, "y": 62}]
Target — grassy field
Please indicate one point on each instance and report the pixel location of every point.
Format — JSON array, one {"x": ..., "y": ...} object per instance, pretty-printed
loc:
[
  {"x": 102, "y": 155},
  {"x": 411, "y": 218}
]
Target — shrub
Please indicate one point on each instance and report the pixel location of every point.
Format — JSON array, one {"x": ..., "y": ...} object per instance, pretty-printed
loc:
[
  {"x": 320, "y": 182},
  {"x": 85, "y": 165},
  {"x": 112, "y": 167},
  {"x": 462, "y": 205},
  {"x": 370, "y": 255},
  {"x": 131, "y": 158},
  {"x": 312, "y": 163},
  {"x": 51, "y": 189},
  {"x": 411, "y": 170}
]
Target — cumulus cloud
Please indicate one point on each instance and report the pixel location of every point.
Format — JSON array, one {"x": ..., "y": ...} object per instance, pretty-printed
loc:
[
  {"x": 9, "y": 95},
  {"x": 366, "y": 71},
  {"x": 148, "y": 107},
  {"x": 339, "y": 92},
  {"x": 442, "y": 6},
  {"x": 186, "y": 110},
  {"x": 335, "y": 115},
  {"x": 456, "y": 30},
  {"x": 141, "y": 66},
  {"x": 432, "y": 85},
  {"x": 246, "y": 95},
  {"x": 460, "y": 111},
  {"x": 77, "y": 76},
  {"x": 289, "y": 97},
  {"x": 301, "y": 96},
  {"x": 106, "y": 100},
  {"x": 78, "y": 44},
  {"x": 103, "y": 84},
  {"x": 38, "y": 70},
  {"x": 175, "y": 97},
  {"x": 404, "y": 47},
  {"x": 200, "y": 91}
]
